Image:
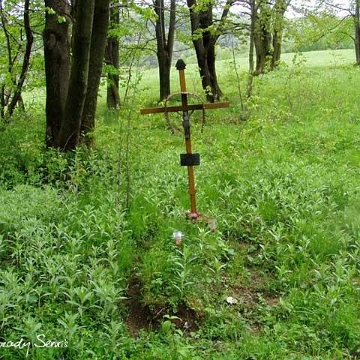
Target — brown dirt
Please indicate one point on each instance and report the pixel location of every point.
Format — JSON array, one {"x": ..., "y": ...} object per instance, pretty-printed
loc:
[
  {"x": 142, "y": 317},
  {"x": 189, "y": 318},
  {"x": 139, "y": 316}
]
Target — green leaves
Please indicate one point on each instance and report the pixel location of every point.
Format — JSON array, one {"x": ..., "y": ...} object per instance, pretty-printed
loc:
[
  {"x": 61, "y": 19},
  {"x": 50, "y": 10}
]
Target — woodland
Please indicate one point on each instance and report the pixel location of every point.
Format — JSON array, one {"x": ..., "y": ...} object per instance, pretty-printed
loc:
[{"x": 103, "y": 254}]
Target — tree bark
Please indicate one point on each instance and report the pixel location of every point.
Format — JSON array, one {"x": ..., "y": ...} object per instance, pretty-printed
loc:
[
  {"x": 211, "y": 60},
  {"x": 165, "y": 44},
  {"x": 112, "y": 59},
  {"x": 97, "y": 51},
  {"x": 279, "y": 9},
  {"x": 69, "y": 134},
  {"x": 71, "y": 99},
  {"x": 253, "y": 10},
  {"x": 56, "y": 38},
  {"x": 357, "y": 31},
  {"x": 263, "y": 39},
  {"x": 26, "y": 61},
  {"x": 204, "y": 44}
]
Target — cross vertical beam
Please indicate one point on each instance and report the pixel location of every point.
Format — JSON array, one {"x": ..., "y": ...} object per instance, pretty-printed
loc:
[
  {"x": 180, "y": 66},
  {"x": 189, "y": 159}
]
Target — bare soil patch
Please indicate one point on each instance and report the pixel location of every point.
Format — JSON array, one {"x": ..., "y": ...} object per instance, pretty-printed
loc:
[{"x": 142, "y": 317}]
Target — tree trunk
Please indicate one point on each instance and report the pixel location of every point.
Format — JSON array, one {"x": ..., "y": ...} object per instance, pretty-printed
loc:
[
  {"x": 164, "y": 44},
  {"x": 204, "y": 44},
  {"x": 262, "y": 43},
  {"x": 69, "y": 134},
  {"x": 276, "y": 43},
  {"x": 357, "y": 31},
  {"x": 249, "y": 85},
  {"x": 97, "y": 50},
  {"x": 56, "y": 38},
  {"x": 112, "y": 59},
  {"x": 211, "y": 59},
  {"x": 26, "y": 61},
  {"x": 262, "y": 39},
  {"x": 71, "y": 99},
  {"x": 279, "y": 9}
]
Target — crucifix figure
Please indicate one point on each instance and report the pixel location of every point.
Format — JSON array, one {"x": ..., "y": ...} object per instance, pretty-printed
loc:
[{"x": 189, "y": 159}]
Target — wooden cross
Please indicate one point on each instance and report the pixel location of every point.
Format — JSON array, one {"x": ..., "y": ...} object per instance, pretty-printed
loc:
[{"x": 189, "y": 159}]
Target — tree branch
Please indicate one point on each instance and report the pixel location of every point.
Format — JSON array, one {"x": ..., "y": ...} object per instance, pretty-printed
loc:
[{"x": 26, "y": 60}]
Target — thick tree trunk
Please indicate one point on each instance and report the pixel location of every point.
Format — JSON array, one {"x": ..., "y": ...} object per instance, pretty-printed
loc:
[
  {"x": 164, "y": 75},
  {"x": 214, "y": 85},
  {"x": 69, "y": 134},
  {"x": 276, "y": 43},
  {"x": 279, "y": 9},
  {"x": 263, "y": 39},
  {"x": 164, "y": 44},
  {"x": 71, "y": 99},
  {"x": 113, "y": 80},
  {"x": 263, "y": 51},
  {"x": 112, "y": 58},
  {"x": 56, "y": 37},
  {"x": 204, "y": 44},
  {"x": 97, "y": 51},
  {"x": 203, "y": 68}
]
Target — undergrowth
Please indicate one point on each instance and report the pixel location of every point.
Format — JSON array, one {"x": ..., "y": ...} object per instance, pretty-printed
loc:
[{"x": 86, "y": 239}]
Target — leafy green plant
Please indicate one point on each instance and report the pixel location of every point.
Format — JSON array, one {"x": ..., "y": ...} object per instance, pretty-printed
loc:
[{"x": 181, "y": 264}]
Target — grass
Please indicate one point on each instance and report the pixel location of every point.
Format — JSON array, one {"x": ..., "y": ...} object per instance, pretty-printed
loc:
[
  {"x": 89, "y": 268},
  {"x": 225, "y": 68}
]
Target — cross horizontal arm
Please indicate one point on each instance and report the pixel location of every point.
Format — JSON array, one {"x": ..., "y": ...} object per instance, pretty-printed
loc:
[{"x": 157, "y": 110}]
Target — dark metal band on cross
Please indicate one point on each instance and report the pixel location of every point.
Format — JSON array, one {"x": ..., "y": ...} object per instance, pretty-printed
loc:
[{"x": 189, "y": 159}]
